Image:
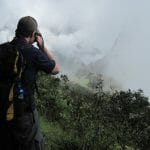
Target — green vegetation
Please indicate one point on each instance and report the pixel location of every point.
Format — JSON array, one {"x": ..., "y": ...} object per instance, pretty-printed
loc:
[{"x": 74, "y": 117}]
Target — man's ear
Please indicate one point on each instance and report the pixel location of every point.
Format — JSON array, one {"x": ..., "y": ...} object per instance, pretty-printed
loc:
[{"x": 33, "y": 34}]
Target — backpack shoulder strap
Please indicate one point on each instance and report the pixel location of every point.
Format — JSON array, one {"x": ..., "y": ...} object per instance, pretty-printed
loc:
[{"x": 18, "y": 69}]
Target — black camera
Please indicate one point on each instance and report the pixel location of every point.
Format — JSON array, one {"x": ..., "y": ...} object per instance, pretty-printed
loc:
[{"x": 39, "y": 34}]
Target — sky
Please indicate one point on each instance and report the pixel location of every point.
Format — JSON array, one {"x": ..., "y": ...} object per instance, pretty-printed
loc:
[{"x": 115, "y": 30}]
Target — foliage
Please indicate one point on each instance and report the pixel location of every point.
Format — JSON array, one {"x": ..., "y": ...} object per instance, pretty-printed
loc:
[{"x": 80, "y": 118}]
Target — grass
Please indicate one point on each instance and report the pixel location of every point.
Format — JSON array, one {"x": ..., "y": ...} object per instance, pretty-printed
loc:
[
  {"x": 55, "y": 137},
  {"x": 82, "y": 82}
]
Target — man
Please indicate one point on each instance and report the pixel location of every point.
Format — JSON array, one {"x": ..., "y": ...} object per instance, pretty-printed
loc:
[{"x": 24, "y": 132}]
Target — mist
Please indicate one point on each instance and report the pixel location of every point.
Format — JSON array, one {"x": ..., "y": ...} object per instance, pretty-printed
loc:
[{"x": 89, "y": 31}]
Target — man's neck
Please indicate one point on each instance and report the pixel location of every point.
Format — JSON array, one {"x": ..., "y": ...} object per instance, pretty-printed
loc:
[{"x": 28, "y": 39}]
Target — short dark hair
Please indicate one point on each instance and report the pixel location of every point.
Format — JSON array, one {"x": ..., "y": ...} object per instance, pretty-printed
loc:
[{"x": 26, "y": 26}]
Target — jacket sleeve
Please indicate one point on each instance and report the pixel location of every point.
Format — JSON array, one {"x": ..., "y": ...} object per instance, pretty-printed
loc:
[{"x": 42, "y": 62}]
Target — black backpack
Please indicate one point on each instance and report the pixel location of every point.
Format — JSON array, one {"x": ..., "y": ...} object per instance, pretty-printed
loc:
[{"x": 11, "y": 66}]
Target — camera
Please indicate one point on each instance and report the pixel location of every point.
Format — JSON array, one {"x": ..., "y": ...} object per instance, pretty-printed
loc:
[{"x": 39, "y": 34}]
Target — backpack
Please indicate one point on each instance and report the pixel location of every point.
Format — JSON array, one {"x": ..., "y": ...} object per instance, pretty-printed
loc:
[{"x": 11, "y": 66}]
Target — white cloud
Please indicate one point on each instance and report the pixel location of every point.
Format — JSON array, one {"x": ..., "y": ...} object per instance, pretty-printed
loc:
[{"x": 81, "y": 28}]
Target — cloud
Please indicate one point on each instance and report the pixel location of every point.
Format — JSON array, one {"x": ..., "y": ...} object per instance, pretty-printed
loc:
[{"x": 88, "y": 29}]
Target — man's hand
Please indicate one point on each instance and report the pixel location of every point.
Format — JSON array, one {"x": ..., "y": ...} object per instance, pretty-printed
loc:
[
  {"x": 40, "y": 41},
  {"x": 40, "y": 44}
]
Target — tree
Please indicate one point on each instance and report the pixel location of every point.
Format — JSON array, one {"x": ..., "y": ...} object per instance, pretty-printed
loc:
[{"x": 92, "y": 118}]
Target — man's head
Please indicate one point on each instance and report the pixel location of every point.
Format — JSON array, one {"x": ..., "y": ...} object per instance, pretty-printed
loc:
[{"x": 26, "y": 27}]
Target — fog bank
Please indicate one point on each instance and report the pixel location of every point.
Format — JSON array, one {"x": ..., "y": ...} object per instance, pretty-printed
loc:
[{"x": 86, "y": 31}]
